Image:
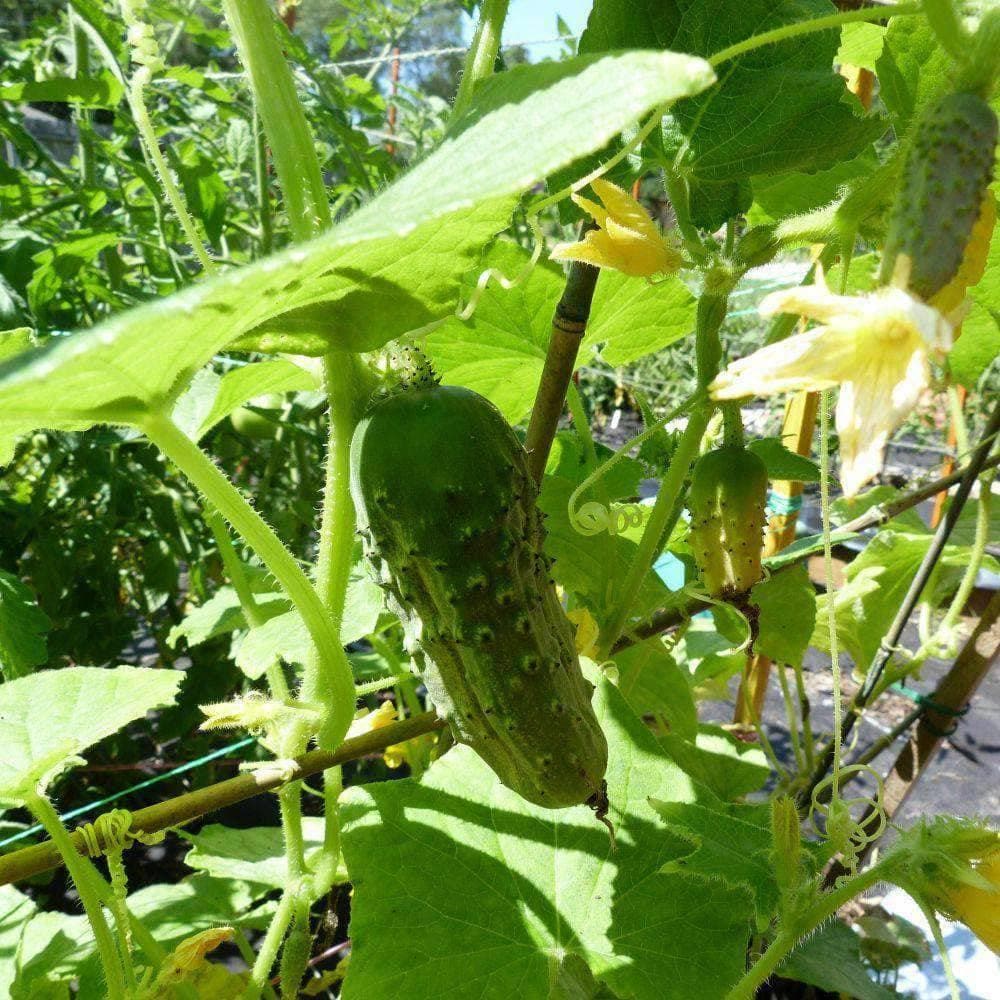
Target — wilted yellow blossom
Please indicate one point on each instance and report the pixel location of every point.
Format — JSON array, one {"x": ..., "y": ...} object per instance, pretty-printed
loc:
[
  {"x": 978, "y": 907},
  {"x": 384, "y": 715},
  {"x": 587, "y": 631},
  {"x": 187, "y": 966},
  {"x": 627, "y": 239},
  {"x": 874, "y": 346},
  {"x": 974, "y": 260}
]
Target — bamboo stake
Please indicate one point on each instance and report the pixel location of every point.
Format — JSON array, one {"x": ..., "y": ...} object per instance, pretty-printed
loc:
[
  {"x": 184, "y": 808},
  {"x": 949, "y": 701},
  {"x": 568, "y": 327}
]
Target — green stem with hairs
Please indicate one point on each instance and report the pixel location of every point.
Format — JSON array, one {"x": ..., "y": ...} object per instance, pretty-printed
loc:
[
  {"x": 732, "y": 425},
  {"x": 348, "y": 383},
  {"x": 947, "y": 25},
  {"x": 268, "y": 954},
  {"x": 288, "y": 132},
  {"x": 236, "y": 572},
  {"x": 482, "y": 54},
  {"x": 665, "y": 511},
  {"x": 233, "y": 566},
  {"x": 265, "y": 219},
  {"x": 788, "y": 937},
  {"x": 82, "y": 872},
  {"x": 931, "y": 917},
  {"x": 331, "y": 672},
  {"x": 976, "y": 555},
  {"x": 140, "y": 115},
  {"x": 712, "y": 307},
  {"x": 348, "y": 386},
  {"x": 290, "y": 800},
  {"x": 825, "y": 23}
]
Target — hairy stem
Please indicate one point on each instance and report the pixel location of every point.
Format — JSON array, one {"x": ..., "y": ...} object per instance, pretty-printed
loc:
[
  {"x": 664, "y": 514},
  {"x": 81, "y": 871},
  {"x": 482, "y": 54},
  {"x": 787, "y": 31},
  {"x": 137, "y": 105},
  {"x": 331, "y": 672},
  {"x": 788, "y": 937},
  {"x": 260, "y": 975},
  {"x": 265, "y": 219},
  {"x": 288, "y": 132},
  {"x": 712, "y": 307}
]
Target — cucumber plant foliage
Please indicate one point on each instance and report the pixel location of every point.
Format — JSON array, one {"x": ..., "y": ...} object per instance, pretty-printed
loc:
[{"x": 285, "y": 373}]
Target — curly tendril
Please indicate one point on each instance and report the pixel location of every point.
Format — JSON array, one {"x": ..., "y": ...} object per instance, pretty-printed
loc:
[
  {"x": 585, "y": 517},
  {"x": 111, "y": 834},
  {"x": 696, "y": 592},
  {"x": 592, "y": 517},
  {"x": 114, "y": 831},
  {"x": 847, "y": 835}
]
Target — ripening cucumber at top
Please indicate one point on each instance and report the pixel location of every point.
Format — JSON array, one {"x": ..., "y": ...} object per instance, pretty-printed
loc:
[
  {"x": 447, "y": 511},
  {"x": 946, "y": 176},
  {"x": 727, "y": 505}
]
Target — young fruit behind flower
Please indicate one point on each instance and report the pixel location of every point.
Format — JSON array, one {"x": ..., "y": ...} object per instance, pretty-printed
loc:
[{"x": 627, "y": 239}]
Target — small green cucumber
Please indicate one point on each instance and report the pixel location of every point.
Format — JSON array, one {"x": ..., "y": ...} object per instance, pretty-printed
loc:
[
  {"x": 948, "y": 170},
  {"x": 447, "y": 511},
  {"x": 726, "y": 502}
]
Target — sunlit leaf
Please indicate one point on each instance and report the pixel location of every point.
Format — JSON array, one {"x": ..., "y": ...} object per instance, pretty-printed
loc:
[
  {"x": 53, "y": 715},
  {"x": 463, "y": 888}
]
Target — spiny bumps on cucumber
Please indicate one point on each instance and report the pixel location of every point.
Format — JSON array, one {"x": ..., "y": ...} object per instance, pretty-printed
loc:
[
  {"x": 946, "y": 175},
  {"x": 726, "y": 501},
  {"x": 448, "y": 514}
]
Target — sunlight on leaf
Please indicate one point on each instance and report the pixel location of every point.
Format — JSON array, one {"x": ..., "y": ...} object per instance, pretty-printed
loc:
[
  {"x": 492, "y": 891},
  {"x": 53, "y": 715}
]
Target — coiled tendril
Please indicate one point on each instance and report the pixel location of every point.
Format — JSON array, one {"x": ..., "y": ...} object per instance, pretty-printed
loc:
[
  {"x": 111, "y": 834},
  {"x": 847, "y": 835}
]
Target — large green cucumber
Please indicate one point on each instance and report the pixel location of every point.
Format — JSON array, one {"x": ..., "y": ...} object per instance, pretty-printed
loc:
[
  {"x": 727, "y": 505},
  {"x": 448, "y": 514},
  {"x": 948, "y": 170}
]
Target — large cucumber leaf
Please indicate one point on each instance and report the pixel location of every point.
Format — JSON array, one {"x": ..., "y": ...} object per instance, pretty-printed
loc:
[
  {"x": 498, "y": 897},
  {"x": 393, "y": 265},
  {"x": 776, "y": 109}
]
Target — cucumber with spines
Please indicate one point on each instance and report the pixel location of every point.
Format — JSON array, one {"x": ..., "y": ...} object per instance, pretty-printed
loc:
[
  {"x": 946, "y": 175},
  {"x": 448, "y": 514},
  {"x": 727, "y": 503}
]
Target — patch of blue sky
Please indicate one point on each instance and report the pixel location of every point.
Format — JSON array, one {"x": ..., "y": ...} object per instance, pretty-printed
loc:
[{"x": 536, "y": 21}]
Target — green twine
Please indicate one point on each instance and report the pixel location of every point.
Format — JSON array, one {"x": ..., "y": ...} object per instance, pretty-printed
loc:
[
  {"x": 93, "y": 806},
  {"x": 926, "y": 701},
  {"x": 779, "y": 504}
]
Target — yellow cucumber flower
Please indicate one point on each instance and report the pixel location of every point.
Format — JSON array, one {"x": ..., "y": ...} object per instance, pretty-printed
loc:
[
  {"x": 367, "y": 722},
  {"x": 874, "y": 346},
  {"x": 627, "y": 239},
  {"x": 978, "y": 907},
  {"x": 587, "y": 631}
]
